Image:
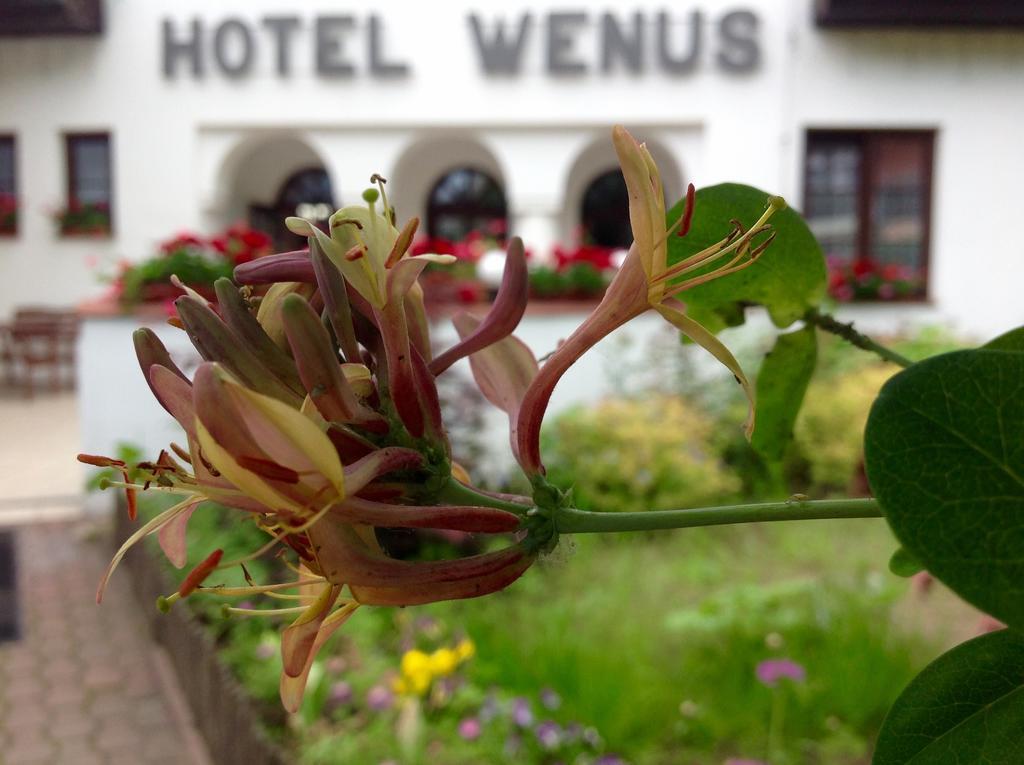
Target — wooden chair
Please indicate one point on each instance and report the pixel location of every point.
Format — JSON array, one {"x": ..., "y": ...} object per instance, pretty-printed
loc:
[{"x": 42, "y": 341}]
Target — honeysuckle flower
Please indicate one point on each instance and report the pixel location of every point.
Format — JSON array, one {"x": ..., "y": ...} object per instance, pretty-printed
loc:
[
  {"x": 644, "y": 282},
  {"x": 314, "y": 413}
]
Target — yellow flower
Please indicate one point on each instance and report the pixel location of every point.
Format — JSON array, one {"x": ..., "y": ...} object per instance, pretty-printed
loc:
[
  {"x": 466, "y": 649},
  {"x": 443, "y": 662},
  {"x": 415, "y": 661}
]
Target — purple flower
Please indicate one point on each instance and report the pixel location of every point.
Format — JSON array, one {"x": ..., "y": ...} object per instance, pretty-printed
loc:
[
  {"x": 513, "y": 744},
  {"x": 522, "y": 715},
  {"x": 549, "y": 734},
  {"x": 550, "y": 699},
  {"x": 340, "y": 693},
  {"x": 489, "y": 709},
  {"x": 379, "y": 698},
  {"x": 741, "y": 761},
  {"x": 469, "y": 729},
  {"x": 770, "y": 671},
  {"x": 609, "y": 759},
  {"x": 592, "y": 738}
]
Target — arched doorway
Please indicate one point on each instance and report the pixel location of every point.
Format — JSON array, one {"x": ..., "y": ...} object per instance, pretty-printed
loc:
[
  {"x": 604, "y": 212},
  {"x": 465, "y": 202},
  {"x": 596, "y": 210},
  {"x": 305, "y": 193}
]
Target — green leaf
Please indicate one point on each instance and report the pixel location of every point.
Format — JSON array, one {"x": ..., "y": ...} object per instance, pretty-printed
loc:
[
  {"x": 1008, "y": 341},
  {"x": 787, "y": 279},
  {"x": 781, "y": 385},
  {"x": 966, "y": 707},
  {"x": 944, "y": 454},
  {"x": 902, "y": 563}
]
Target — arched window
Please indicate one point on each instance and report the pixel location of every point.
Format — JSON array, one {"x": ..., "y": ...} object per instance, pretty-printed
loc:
[
  {"x": 463, "y": 201},
  {"x": 306, "y": 193},
  {"x": 605, "y": 212}
]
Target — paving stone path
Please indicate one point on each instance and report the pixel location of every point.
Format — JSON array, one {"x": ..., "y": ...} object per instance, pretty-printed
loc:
[{"x": 85, "y": 684}]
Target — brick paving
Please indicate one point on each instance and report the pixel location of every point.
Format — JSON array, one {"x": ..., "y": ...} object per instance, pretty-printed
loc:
[{"x": 85, "y": 684}]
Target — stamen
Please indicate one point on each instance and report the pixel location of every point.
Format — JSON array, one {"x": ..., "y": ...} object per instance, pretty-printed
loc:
[
  {"x": 389, "y": 211},
  {"x": 687, "y": 217},
  {"x": 259, "y": 589},
  {"x": 200, "y": 572},
  {"x": 736, "y": 239},
  {"x": 164, "y": 602},
  {"x": 227, "y": 610},
  {"x": 99, "y": 461},
  {"x": 106, "y": 483}
]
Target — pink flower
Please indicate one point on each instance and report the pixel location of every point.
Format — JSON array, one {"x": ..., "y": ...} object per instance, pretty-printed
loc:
[
  {"x": 770, "y": 671},
  {"x": 469, "y": 729}
]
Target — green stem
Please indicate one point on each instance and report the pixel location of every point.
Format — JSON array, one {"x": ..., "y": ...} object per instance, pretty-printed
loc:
[
  {"x": 457, "y": 493},
  {"x": 573, "y": 521},
  {"x": 829, "y": 323}
]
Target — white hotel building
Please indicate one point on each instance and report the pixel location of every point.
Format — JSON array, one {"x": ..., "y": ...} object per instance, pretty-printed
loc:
[{"x": 897, "y": 126}]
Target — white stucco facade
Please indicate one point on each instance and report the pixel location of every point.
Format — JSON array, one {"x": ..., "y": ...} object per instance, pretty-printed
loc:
[{"x": 191, "y": 151}]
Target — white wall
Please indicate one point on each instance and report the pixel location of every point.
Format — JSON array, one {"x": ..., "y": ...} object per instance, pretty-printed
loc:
[{"x": 178, "y": 143}]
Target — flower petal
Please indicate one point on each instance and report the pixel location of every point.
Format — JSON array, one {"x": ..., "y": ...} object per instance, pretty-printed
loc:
[
  {"x": 298, "y": 638},
  {"x": 294, "y": 266},
  {"x": 473, "y": 519},
  {"x": 288, "y": 437},
  {"x": 503, "y": 370},
  {"x": 172, "y": 536},
  {"x": 504, "y": 316},
  {"x": 418, "y": 593},
  {"x": 292, "y": 688},
  {"x": 174, "y": 394},
  {"x": 216, "y": 342},
  {"x": 318, "y": 366},
  {"x": 344, "y": 558},
  {"x": 716, "y": 348},
  {"x": 332, "y": 288},
  {"x": 646, "y": 204},
  {"x": 242, "y": 322}
]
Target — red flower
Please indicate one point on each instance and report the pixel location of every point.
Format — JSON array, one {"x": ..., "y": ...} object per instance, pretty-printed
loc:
[{"x": 864, "y": 267}]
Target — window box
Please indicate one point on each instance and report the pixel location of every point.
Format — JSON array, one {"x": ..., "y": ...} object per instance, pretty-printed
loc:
[
  {"x": 84, "y": 220},
  {"x": 8, "y": 215}
]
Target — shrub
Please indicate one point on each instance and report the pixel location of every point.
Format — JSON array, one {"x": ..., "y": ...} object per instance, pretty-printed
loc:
[
  {"x": 637, "y": 454},
  {"x": 830, "y": 429}
]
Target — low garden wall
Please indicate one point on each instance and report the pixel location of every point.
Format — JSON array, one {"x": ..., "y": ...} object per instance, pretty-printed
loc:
[{"x": 223, "y": 712}]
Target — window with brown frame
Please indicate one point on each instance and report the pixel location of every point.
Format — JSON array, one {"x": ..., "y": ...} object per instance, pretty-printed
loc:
[
  {"x": 90, "y": 185},
  {"x": 867, "y": 198},
  {"x": 8, "y": 187}
]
